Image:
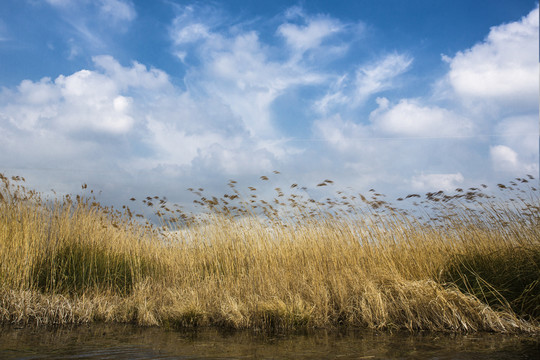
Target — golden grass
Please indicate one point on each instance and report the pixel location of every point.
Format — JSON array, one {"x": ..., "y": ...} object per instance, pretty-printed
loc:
[{"x": 470, "y": 264}]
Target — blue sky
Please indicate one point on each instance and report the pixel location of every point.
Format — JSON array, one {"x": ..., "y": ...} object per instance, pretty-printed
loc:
[{"x": 152, "y": 97}]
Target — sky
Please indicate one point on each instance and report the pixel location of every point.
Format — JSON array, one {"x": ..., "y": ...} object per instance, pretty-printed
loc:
[{"x": 139, "y": 98}]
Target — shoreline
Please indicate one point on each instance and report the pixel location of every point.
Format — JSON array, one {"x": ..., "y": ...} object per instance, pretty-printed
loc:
[{"x": 26, "y": 308}]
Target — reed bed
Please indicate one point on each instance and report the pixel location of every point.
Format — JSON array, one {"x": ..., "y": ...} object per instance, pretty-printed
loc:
[{"x": 459, "y": 262}]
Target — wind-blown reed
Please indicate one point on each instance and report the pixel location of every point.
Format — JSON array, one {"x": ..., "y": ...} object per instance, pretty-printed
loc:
[{"x": 462, "y": 262}]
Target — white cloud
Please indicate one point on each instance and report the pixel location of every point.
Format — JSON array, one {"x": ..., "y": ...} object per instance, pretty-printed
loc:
[
  {"x": 329, "y": 101},
  {"x": 388, "y": 155},
  {"x": 489, "y": 105},
  {"x": 343, "y": 136},
  {"x": 136, "y": 76},
  {"x": 503, "y": 69},
  {"x": 118, "y": 10},
  {"x": 410, "y": 118},
  {"x": 237, "y": 70},
  {"x": 190, "y": 33},
  {"x": 91, "y": 23},
  {"x": 175, "y": 146},
  {"x": 84, "y": 100},
  {"x": 310, "y": 36},
  {"x": 59, "y": 2},
  {"x": 90, "y": 101},
  {"x": 129, "y": 119},
  {"x": 445, "y": 182},
  {"x": 369, "y": 79},
  {"x": 363, "y": 156},
  {"x": 377, "y": 77},
  {"x": 521, "y": 134},
  {"x": 515, "y": 160},
  {"x": 193, "y": 24},
  {"x": 504, "y": 158},
  {"x": 294, "y": 12},
  {"x": 40, "y": 100},
  {"x": 497, "y": 80},
  {"x": 115, "y": 10},
  {"x": 39, "y": 93},
  {"x": 121, "y": 103},
  {"x": 133, "y": 120}
]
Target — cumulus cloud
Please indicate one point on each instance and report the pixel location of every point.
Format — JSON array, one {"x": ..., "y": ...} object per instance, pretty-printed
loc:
[
  {"x": 410, "y": 118},
  {"x": 24, "y": 107},
  {"x": 504, "y": 158},
  {"x": 124, "y": 118},
  {"x": 136, "y": 76},
  {"x": 368, "y": 153},
  {"x": 84, "y": 100},
  {"x": 489, "y": 105},
  {"x": 498, "y": 79},
  {"x": 503, "y": 69}
]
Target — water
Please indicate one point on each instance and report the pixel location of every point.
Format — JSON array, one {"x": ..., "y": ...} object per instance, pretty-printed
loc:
[{"x": 130, "y": 342}]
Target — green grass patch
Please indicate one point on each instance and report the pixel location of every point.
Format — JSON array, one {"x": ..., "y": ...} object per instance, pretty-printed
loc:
[
  {"x": 502, "y": 278},
  {"x": 77, "y": 267}
]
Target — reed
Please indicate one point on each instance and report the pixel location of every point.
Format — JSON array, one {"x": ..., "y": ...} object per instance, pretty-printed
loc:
[{"x": 461, "y": 262}]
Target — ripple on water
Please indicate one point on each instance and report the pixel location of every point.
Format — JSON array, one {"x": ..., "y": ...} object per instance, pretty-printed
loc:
[{"x": 100, "y": 341}]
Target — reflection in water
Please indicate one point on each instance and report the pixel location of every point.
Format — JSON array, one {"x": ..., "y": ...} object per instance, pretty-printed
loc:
[{"x": 130, "y": 342}]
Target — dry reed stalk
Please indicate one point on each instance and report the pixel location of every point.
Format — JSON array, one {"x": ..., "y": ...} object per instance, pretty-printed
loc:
[{"x": 67, "y": 261}]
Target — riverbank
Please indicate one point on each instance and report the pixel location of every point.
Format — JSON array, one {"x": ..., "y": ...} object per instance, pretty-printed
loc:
[{"x": 292, "y": 264}]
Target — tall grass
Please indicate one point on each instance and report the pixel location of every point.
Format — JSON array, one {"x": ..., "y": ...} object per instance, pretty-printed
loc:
[{"x": 460, "y": 262}]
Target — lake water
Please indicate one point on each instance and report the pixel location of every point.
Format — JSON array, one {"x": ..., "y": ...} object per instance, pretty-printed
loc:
[{"x": 131, "y": 342}]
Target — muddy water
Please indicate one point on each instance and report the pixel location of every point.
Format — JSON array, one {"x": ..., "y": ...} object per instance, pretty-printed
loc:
[{"x": 130, "y": 342}]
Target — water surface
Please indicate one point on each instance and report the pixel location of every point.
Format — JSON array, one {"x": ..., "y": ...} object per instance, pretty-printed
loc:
[{"x": 130, "y": 342}]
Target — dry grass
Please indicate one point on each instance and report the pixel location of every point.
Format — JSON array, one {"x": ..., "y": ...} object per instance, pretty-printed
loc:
[{"x": 462, "y": 262}]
